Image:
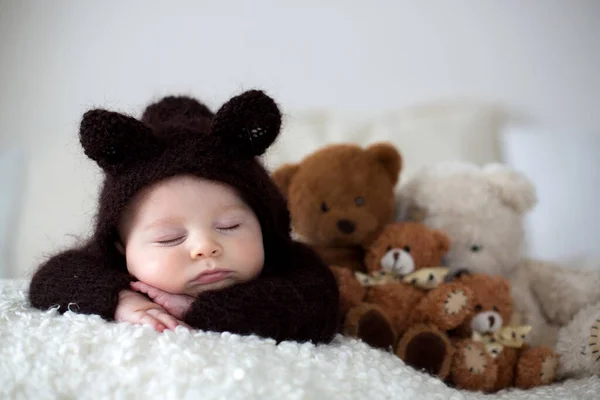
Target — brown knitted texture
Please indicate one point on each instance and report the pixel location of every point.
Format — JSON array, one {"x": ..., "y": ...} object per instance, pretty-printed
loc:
[{"x": 294, "y": 298}]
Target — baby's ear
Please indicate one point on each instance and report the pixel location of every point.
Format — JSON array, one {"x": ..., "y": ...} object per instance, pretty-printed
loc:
[
  {"x": 389, "y": 157},
  {"x": 115, "y": 140},
  {"x": 283, "y": 177},
  {"x": 247, "y": 124},
  {"x": 514, "y": 189}
]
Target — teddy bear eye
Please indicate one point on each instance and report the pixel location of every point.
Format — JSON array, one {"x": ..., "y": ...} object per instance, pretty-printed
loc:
[
  {"x": 324, "y": 207},
  {"x": 407, "y": 249},
  {"x": 389, "y": 248},
  {"x": 495, "y": 308},
  {"x": 478, "y": 307},
  {"x": 359, "y": 201},
  {"x": 475, "y": 248}
]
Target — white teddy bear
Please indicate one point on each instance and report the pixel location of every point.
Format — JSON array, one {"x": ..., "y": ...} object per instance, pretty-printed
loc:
[{"x": 482, "y": 211}]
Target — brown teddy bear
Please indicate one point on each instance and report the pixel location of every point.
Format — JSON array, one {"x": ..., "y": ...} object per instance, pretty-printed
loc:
[
  {"x": 449, "y": 349},
  {"x": 523, "y": 367},
  {"x": 432, "y": 329},
  {"x": 340, "y": 197},
  {"x": 381, "y": 313}
]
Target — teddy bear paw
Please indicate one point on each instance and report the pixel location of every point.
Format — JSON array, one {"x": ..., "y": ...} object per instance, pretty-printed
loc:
[
  {"x": 594, "y": 340},
  {"x": 456, "y": 302},
  {"x": 475, "y": 359},
  {"x": 426, "y": 348},
  {"x": 376, "y": 330},
  {"x": 548, "y": 370}
]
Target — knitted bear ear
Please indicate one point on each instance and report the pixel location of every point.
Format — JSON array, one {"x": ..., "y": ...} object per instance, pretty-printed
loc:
[
  {"x": 115, "y": 140},
  {"x": 247, "y": 124}
]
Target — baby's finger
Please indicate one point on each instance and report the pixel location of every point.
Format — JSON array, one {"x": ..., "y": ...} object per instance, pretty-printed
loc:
[
  {"x": 167, "y": 319},
  {"x": 181, "y": 323},
  {"x": 151, "y": 291},
  {"x": 139, "y": 286},
  {"x": 148, "y": 319}
]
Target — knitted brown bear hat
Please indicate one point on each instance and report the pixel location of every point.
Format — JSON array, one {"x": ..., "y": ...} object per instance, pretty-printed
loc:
[{"x": 177, "y": 136}]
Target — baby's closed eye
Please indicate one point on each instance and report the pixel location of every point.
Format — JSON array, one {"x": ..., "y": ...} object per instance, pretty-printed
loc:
[
  {"x": 228, "y": 227},
  {"x": 171, "y": 241}
]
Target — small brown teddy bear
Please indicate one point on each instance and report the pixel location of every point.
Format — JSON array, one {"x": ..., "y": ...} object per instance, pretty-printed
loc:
[
  {"x": 380, "y": 314},
  {"x": 475, "y": 368},
  {"x": 340, "y": 197}
]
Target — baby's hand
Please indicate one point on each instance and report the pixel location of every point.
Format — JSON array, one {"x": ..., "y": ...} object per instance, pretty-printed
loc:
[
  {"x": 138, "y": 309},
  {"x": 176, "y": 304}
]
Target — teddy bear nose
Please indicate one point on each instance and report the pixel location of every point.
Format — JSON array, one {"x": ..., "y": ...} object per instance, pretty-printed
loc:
[
  {"x": 492, "y": 320},
  {"x": 396, "y": 255},
  {"x": 345, "y": 226}
]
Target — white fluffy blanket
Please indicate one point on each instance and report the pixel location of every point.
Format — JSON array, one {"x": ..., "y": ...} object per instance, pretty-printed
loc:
[{"x": 44, "y": 355}]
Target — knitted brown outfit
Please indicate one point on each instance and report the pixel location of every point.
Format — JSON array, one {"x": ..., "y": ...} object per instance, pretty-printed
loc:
[{"x": 294, "y": 298}]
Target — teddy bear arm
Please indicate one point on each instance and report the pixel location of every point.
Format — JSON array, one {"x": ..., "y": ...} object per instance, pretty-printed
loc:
[
  {"x": 446, "y": 306},
  {"x": 526, "y": 305},
  {"x": 562, "y": 292},
  {"x": 397, "y": 300}
]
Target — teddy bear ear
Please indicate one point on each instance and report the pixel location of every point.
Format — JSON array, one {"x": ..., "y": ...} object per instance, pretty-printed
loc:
[
  {"x": 283, "y": 177},
  {"x": 115, "y": 140},
  {"x": 514, "y": 188},
  {"x": 389, "y": 157},
  {"x": 247, "y": 124}
]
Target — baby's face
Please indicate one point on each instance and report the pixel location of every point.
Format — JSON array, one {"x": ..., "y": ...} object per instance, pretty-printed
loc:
[{"x": 187, "y": 235}]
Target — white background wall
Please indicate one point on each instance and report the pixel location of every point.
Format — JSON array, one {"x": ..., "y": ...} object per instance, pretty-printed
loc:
[{"x": 60, "y": 58}]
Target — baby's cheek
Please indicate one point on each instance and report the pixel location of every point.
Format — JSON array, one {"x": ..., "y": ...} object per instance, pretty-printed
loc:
[
  {"x": 251, "y": 257},
  {"x": 157, "y": 269}
]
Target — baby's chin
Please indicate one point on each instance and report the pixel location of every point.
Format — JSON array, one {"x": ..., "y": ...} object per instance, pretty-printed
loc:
[{"x": 197, "y": 288}]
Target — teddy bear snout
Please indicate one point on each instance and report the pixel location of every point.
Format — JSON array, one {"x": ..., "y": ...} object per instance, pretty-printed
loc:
[
  {"x": 346, "y": 226},
  {"x": 398, "y": 261},
  {"x": 488, "y": 321}
]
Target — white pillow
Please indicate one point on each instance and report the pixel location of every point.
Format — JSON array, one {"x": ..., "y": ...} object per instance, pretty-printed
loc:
[
  {"x": 449, "y": 131},
  {"x": 11, "y": 176},
  {"x": 565, "y": 168}
]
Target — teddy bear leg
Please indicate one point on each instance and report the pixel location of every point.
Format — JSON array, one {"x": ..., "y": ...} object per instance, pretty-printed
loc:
[
  {"x": 472, "y": 367},
  {"x": 507, "y": 364},
  {"x": 370, "y": 324},
  {"x": 537, "y": 366},
  {"x": 446, "y": 306},
  {"x": 578, "y": 345},
  {"x": 425, "y": 347}
]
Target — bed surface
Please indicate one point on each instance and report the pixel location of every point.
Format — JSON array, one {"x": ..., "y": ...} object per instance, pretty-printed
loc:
[{"x": 46, "y": 355}]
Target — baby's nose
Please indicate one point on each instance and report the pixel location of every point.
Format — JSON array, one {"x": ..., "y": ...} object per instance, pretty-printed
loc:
[{"x": 209, "y": 249}]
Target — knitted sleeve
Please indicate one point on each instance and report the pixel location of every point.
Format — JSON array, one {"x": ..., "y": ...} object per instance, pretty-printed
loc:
[
  {"x": 79, "y": 280},
  {"x": 300, "y": 304}
]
